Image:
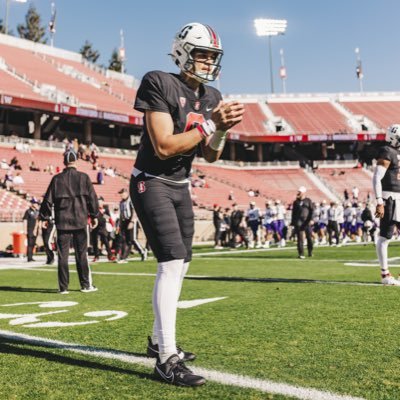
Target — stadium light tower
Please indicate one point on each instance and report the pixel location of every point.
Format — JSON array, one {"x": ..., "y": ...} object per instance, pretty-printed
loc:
[
  {"x": 359, "y": 71},
  {"x": 122, "y": 54},
  {"x": 52, "y": 24},
  {"x": 270, "y": 27},
  {"x": 282, "y": 71}
]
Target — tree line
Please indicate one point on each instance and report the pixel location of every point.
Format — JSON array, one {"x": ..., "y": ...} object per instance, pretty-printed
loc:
[{"x": 32, "y": 29}]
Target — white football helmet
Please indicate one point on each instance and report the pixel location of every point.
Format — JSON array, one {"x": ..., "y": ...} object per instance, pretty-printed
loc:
[
  {"x": 196, "y": 36},
  {"x": 393, "y": 135}
]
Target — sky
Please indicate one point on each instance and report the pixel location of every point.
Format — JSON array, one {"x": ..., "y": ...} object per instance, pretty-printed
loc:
[{"x": 319, "y": 44}]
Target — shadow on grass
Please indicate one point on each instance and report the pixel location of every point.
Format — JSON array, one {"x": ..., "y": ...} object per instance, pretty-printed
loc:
[
  {"x": 274, "y": 280},
  {"x": 23, "y": 289},
  {"x": 8, "y": 346}
]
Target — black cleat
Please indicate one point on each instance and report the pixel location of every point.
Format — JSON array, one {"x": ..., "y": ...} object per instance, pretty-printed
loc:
[
  {"x": 153, "y": 352},
  {"x": 175, "y": 372}
]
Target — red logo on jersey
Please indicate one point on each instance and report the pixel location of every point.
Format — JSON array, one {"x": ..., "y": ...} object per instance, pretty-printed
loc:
[
  {"x": 141, "y": 187},
  {"x": 197, "y": 105},
  {"x": 182, "y": 100},
  {"x": 193, "y": 118}
]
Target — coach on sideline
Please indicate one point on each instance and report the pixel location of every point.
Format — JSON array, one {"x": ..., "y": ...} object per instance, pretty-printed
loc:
[{"x": 72, "y": 195}]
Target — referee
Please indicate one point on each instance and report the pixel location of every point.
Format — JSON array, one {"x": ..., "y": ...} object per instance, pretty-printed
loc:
[{"x": 72, "y": 195}]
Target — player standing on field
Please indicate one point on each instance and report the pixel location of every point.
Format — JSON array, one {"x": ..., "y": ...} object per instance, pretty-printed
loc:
[
  {"x": 386, "y": 183},
  {"x": 181, "y": 115}
]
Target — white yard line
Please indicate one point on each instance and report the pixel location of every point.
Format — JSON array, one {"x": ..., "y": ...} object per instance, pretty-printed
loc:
[
  {"x": 263, "y": 385},
  {"x": 227, "y": 278},
  {"x": 366, "y": 264}
]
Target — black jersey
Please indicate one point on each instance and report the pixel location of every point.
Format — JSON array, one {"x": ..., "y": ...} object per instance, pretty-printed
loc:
[
  {"x": 167, "y": 92},
  {"x": 391, "y": 180}
]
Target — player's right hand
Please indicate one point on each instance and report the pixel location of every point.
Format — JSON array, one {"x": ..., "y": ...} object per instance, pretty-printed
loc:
[
  {"x": 227, "y": 115},
  {"x": 380, "y": 211}
]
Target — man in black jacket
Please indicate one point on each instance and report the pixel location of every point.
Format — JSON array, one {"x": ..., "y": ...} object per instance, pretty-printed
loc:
[
  {"x": 237, "y": 219},
  {"x": 128, "y": 229},
  {"x": 100, "y": 232},
  {"x": 31, "y": 217},
  {"x": 72, "y": 195},
  {"x": 302, "y": 212}
]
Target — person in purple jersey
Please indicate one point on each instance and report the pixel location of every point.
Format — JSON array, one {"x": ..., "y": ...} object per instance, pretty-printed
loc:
[{"x": 182, "y": 116}]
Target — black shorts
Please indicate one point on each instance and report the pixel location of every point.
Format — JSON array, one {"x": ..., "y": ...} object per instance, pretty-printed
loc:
[
  {"x": 387, "y": 224},
  {"x": 165, "y": 212}
]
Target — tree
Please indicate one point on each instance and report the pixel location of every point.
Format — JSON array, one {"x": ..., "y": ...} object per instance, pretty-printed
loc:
[
  {"x": 32, "y": 30},
  {"x": 88, "y": 53},
  {"x": 115, "y": 63}
]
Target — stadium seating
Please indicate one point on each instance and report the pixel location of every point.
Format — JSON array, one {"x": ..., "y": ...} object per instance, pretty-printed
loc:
[
  {"x": 36, "y": 182},
  {"x": 112, "y": 86},
  {"x": 12, "y": 207},
  {"x": 382, "y": 113},
  {"x": 311, "y": 117},
  {"x": 272, "y": 184},
  {"x": 14, "y": 87},
  {"x": 340, "y": 179},
  {"x": 253, "y": 123},
  {"x": 39, "y": 72}
]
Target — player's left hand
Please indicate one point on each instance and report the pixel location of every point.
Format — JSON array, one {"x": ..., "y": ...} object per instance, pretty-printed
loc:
[
  {"x": 380, "y": 211},
  {"x": 227, "y": 115}
]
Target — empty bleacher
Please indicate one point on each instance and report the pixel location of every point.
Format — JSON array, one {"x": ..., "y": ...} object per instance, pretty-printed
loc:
[
  {"x": 340, "y": 179},
  {"x": 311, "y": 117},
  {"x": 272, "y": 184},
  {"x": 12, "y": 207},
  {"x": 40, "y": 72},
  {"x": 382, "y": 113},
  {"x": 12, "y": 86},
  {"x": 254, "y": 121},
  {"x": 113, "y": 86}
]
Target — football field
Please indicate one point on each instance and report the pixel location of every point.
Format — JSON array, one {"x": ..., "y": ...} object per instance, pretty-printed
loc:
[{"x": 264, "y": 325}]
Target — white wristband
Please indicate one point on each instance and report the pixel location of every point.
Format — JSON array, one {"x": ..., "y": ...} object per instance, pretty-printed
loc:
[
  {"x": 207, "y": 128},
  {"x": 218, "y": 139}
]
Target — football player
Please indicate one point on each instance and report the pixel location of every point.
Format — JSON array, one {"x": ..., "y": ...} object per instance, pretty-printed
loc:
[
  {"x": 279, "y": 223},
  {"x": 386, "y": 183},
  {"x": 323, "y": 221},
  {"x": 267, "y": 223},
  {"x": 182, "y": 115},
  {"x": 253, "y": 222}
]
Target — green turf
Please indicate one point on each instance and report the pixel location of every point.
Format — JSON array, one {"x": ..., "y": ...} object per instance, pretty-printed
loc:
[{"x": 335, "y": 337}]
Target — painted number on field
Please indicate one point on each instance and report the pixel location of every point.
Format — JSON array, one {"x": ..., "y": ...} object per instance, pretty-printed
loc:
[{"x": 34, "y": 320}]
